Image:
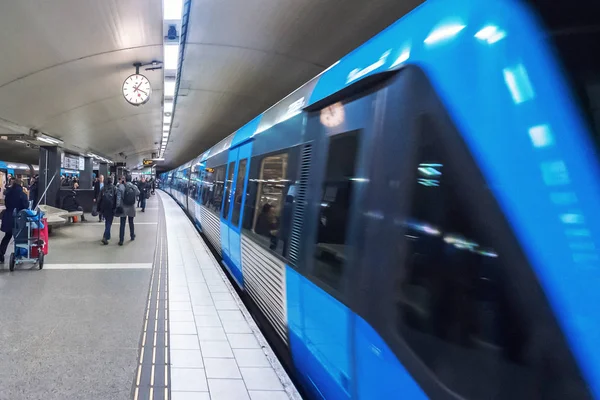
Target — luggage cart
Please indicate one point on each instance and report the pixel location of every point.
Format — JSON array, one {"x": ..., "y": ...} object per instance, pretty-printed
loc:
[{"x": 27, "y": 230}]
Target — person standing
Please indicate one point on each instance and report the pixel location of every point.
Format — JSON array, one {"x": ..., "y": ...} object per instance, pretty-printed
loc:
[
  {"x": 107, "y": 201},
  {"x": 33, "y": 192},
  {"x": 16, "y": 200},
  {"x": 126, "y": 195}
]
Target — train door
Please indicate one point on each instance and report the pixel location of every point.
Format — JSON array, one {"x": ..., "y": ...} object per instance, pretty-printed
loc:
[
  {"x": 454, "y": 310},
  {"x": 233, "y": 202},
  {"x": 321, "y": 307}
]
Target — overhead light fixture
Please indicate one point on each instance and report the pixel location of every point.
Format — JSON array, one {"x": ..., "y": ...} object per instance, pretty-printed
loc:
[
  {"x": 169, "y": 88},
  {"x": 21, "y": 141},
  {"x": 172, "y": 9},
  {"x": 167, "y": 120},
  {"x": 49, "y": 140},
  {"x": 171, "y": 56},
  {"x": 444, "y": 32},
  {"x": 168, "y": 107}
]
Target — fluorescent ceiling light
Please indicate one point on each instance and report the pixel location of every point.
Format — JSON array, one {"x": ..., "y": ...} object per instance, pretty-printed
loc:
[
  {"x": 46, "y": 140},
  {"x": 444, "y": 32},
  {"x": 518, "y": 83},
  {"x": 172, "y": 9},
  {"x": 169, "y": 88},
  {"x": 171, "y": 58},
  {"x": 490, "y": 34},
  {"x": 168, "y": 106},
  {"x": 167, "y": 120},
  {"x": 21, "y": 141}
]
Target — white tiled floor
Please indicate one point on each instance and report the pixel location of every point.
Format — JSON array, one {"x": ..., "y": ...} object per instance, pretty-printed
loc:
[{"x": 215, "y": 347}]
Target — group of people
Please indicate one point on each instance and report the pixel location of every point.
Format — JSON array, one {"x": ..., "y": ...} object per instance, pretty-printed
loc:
[
  {"x": 15, "y": 198},
  {"x": 119, "y": 201},
  {"x": 69, "y": 181}
]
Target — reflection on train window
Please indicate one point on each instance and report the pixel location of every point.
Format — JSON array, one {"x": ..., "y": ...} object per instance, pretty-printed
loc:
[
  {"x": 272, "y": 211},
  {"x": 454, "y": 308},
  {"x": 331, "y": 252},
  {"x": 230, "y": 171},
  {"x": 212, "y": 191},
  {"x": 239, "y": 191}
]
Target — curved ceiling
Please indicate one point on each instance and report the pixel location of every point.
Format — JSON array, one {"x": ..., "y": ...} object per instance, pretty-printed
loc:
[{"x": 64, "y": 61}]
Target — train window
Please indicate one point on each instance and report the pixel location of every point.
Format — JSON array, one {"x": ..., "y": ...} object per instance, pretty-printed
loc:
[
  {"x": 239, "y": 193},
  {"x": 227, "y": 201},
  {"x": 212, "y": 192},
  {"x": 455, "y": 301},
  {"x": 336, "y": 198},
  {"x": 268, "y": 210}
]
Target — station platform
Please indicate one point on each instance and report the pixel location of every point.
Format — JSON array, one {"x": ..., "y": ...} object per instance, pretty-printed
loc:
[{"x": 155, "y": 318}]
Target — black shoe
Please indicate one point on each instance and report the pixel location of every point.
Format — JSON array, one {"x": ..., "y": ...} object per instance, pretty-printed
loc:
[
  {"x": 143, "y": 210},
  {"x": 120, "y": 243},
  {"x": 1, "y": 259},
  {"x": 133, "y": 237},
  {"x": 104, "y": 242}
]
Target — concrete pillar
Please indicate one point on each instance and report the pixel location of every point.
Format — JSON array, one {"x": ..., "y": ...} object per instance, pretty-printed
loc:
[
  {"x": 86, "y": 176},
  {"x": 103, "y": 169},
  {"x": 49, "y": 175}
]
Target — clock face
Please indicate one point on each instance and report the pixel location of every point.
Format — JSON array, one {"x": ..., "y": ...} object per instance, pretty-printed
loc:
[
  {"x": 136, "y": 89},
  {"x": 333, "y": 115}
]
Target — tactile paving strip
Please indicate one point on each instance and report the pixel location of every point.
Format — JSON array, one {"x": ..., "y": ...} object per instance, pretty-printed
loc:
[{"x": 152, "y": 376}]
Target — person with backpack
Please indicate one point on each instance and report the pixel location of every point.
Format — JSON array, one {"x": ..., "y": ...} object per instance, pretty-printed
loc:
[
  {"x": 107, "y": 201},
  {"x": 127, "y": 194}
]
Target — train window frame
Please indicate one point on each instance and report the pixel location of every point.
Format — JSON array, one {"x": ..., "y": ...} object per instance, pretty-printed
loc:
[
  {"x": 236, "y": 211},
  {"x": 216, "y": 169},
  {"x": 485, "y": 207},
  {"x": 229, "y": 176},
  {"x": 252, "y": 191},
  {"x": 354, "y": 199}
]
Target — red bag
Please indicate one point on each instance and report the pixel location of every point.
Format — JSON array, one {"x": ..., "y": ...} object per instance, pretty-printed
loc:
[{"x": 43, "y": 237}]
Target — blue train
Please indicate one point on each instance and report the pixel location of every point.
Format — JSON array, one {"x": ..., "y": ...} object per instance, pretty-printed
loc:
[{"x": 421, "y": 220}]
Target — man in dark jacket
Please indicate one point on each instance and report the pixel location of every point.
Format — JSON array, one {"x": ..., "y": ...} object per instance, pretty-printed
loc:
[
  {"x": 144, "y": 188},
  {"x": 15, "y": 199},
  {"x": 107, "y": 202},
  {"x": 70, "y": 203},
  {"x": 33, "y": 191},
  {"x": 98, "y": 185},
  {"x": 127, "y": 193}
]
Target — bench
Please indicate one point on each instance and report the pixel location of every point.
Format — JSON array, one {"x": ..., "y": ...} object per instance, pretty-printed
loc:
[{"x": 56, "y": 217}]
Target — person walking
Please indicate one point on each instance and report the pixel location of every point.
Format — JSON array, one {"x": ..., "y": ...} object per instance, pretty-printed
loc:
[
  {"x": 107, "y": 201},
  {"x": 126, "y": 195},
  {"x": 143, "y": 186},
  {"x": 16, "y": 200},
  {"x": 98, "y": 185}
]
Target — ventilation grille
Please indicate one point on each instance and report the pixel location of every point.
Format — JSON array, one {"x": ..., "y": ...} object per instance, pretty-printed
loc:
[
  {"x": 264, "y": 280},
  {"x": 211, "y": 227},
  {"x": 300, "y": 206}
]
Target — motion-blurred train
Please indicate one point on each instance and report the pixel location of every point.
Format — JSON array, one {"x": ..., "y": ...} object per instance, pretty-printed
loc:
[{"x": 422, "y": 219}]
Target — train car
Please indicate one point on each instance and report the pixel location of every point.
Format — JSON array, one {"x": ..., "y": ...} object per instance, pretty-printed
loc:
[{"x": 420, "y": 220}]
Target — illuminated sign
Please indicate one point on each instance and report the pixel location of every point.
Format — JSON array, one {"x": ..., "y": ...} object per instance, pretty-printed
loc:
[{"x": 148, "y": 162}]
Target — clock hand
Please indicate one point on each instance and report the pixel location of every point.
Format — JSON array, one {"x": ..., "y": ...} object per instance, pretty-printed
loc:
[{"x": 142, "y": 91}]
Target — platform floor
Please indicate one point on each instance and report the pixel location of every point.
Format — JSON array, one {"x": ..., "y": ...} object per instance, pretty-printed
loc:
[
  {"x": 153, "y": 319},
  {"x": 217, "y": 351}
]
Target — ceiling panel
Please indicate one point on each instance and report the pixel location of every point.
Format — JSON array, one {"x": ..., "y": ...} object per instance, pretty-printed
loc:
[
  {"x": 255, "y": 52},
  {"x": 64, "y": 62}
]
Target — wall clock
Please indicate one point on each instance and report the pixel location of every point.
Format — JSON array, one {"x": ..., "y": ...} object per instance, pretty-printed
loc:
[{"x": 136, "y": 89}]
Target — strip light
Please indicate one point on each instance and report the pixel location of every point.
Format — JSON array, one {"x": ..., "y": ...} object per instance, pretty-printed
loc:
[{"x": 172, "y": 24}]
